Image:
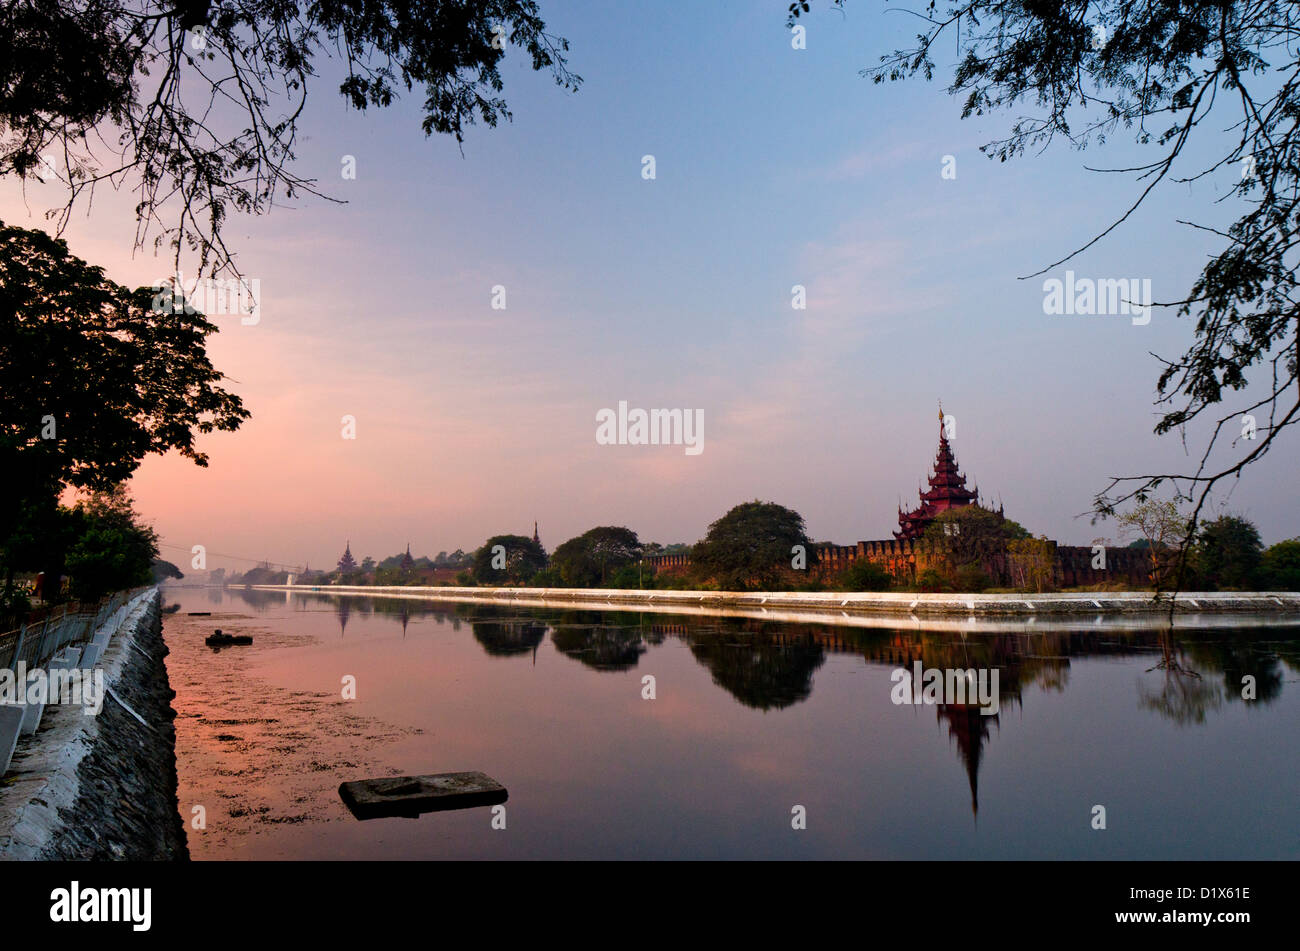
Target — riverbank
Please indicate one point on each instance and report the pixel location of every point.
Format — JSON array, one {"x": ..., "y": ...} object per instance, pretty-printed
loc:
[
  {"x": 1090, "y": 604},
  {"x": 103, "y": 786}
]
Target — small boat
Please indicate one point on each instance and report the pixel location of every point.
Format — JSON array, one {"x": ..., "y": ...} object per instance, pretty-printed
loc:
[
  {"x": 217, "y": 639},
  {"x": 199, "y": 613},
  {"x": 409, "y": 796}
]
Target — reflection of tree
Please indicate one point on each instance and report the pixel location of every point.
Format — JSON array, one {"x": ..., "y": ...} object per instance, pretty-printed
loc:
[
  {"x": 509, "y": 638},
  {"x": 1238, "y": 659},
  {"x": 257, "y": 600},
  {"x": 759, "y": 673},
  {"x": 1184, "y": 696},
  {"x": 601, "y": 647}
]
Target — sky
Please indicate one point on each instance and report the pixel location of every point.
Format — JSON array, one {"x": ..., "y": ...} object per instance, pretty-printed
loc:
[{"x": 774, "y": 167}]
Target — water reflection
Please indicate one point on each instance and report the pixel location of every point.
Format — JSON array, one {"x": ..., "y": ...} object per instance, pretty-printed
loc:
[
  {"x": 767, "y": 672},
  {"x": 505, "y": 636},
  {"x": 1194, "y": 675}
]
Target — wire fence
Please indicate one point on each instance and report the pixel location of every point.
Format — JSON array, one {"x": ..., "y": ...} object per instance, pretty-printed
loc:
[{"x": 67, "y": 625}]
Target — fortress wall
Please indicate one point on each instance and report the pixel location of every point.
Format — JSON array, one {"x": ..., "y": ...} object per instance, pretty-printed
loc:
[{"x": 907, "y": 559}]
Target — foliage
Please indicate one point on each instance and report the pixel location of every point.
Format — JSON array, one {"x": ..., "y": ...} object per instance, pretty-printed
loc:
[
  {"x": 518, "y": 559},
  {"x": 1081, "y": 72},
  {"x": 970, "y": 578},
  {"x": 1280, "y": 566},
  {"x": 1164, "y": 527},
  {"x": 1030, "y": 561},
  {"x": 457, "y": 559},
  {"x": 632, "y": 576},
  {"x": 588, "y": 560},
  {"x": 162, "y": 570},
  {"x": 92, "y": 380},
  {"x": 971, "y": 534},
  {"x": 932, "y": 580},
  {"x": 864, "y": 575},
  {"x": 196, "y": 105},
  {"x": 546, "y": 578},
  {"x": 1228, "y": 553},
  {"x": 751, "y": 546},
  {"x": 111, "y": 550}
]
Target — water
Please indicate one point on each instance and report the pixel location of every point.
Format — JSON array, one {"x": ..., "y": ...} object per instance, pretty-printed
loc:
[{"x": 751, "y": 719}]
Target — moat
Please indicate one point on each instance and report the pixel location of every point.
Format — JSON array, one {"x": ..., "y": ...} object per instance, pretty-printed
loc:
[{"x": 750, "y": 719}]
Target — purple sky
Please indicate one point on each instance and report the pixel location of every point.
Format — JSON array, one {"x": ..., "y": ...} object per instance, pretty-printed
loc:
[{"x": 774, "y": 167}]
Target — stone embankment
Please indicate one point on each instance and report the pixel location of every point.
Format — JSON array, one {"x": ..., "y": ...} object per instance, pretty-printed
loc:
[{"x": 102, "y": 786}]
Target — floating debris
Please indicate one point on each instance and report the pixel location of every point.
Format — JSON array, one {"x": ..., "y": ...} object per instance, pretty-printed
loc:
[
  {"x": 409, "y": 796},
  {"x": 200, "y": 614},
  {"x": 217, "y": 639}
]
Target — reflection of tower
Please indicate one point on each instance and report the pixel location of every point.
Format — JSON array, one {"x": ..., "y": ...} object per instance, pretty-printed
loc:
[
  {"x": 405, "y": 616},
  {"x": 343, "y": 609},
  {"x": 971, "y": 728}
]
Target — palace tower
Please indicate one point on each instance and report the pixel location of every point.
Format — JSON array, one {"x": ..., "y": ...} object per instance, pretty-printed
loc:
[{"x": 947, "y": 491}]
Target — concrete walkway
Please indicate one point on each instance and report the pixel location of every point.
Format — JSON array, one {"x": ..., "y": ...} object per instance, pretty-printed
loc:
[
  {"x": 43, "y": 778},
  {"x": 1128, "y": 604}
]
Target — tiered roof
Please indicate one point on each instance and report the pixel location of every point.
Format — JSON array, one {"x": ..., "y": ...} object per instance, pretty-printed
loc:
[{"x": 947, "y": 490}]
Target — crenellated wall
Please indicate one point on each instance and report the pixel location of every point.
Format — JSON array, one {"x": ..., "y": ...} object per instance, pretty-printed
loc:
[{"x": 906, "y": 559}]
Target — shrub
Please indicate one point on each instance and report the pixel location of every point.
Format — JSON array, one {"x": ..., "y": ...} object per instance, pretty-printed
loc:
[
  {"x": 971, "y": 578},
  {"x": 863, "y": 575}
]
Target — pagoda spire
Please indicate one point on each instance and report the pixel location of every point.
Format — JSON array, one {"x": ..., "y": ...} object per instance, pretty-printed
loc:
[{"x": 947, "y": 490}]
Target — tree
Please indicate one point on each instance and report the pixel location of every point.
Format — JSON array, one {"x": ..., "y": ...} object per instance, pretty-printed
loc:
[
  {"x": 508, "y": 559},
  {"x": 752, "y": 545},
  {"x": 864, "y": 575},
  {"x": 1030, "y": 561},
  {"x": 588, "y": 560},
  {"x": 162, "y": 570},
  {"x": 1164, "y": 528},
  {"x": 196, "y": 104},
  {"x": 1228, "y": 551},
  {"x": 93, "y": 378},
  {"x": 1160, "y": 70},
  {"x": 111, "y": 549},
  {"x": 1280, "y": 566},
  {"x": 971, "y": 535}
]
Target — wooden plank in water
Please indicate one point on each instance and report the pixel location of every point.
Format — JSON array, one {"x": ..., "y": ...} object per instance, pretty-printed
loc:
[{"x": 410, "y": 796}]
